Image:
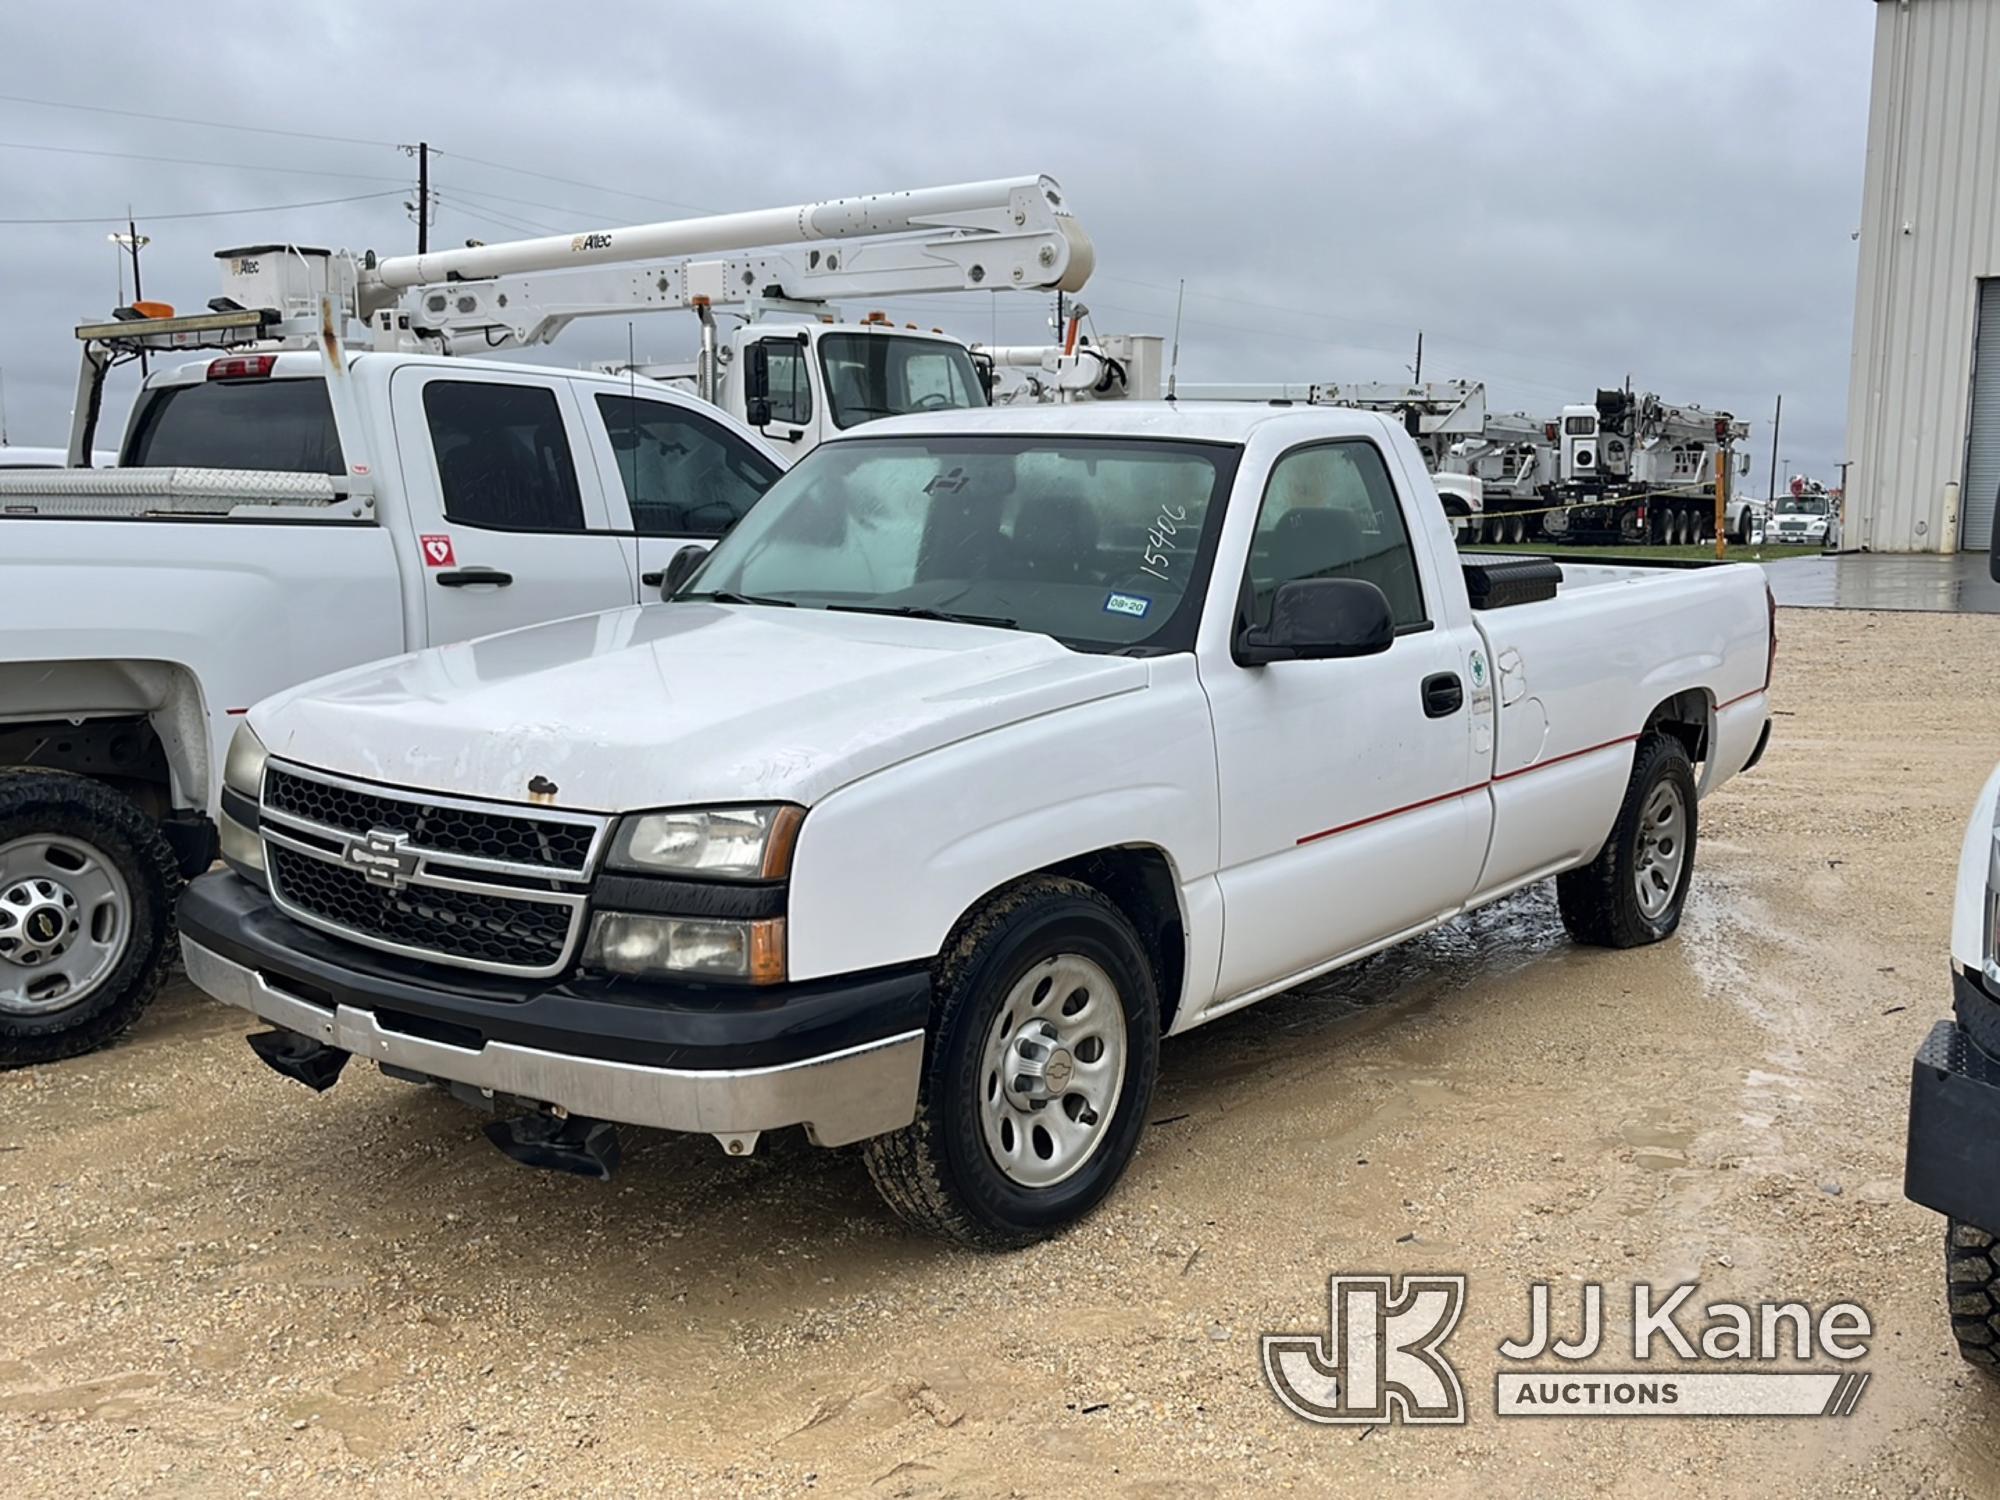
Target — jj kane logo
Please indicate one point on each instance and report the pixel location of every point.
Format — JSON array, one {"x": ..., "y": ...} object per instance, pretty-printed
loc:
[
  {"x": 1379, "y": 1360},
  {"x": 1382, "y": 1357}
]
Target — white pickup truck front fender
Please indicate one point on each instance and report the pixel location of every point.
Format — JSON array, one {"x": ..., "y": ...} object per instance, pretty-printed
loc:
[{"x": 940, "y": 831}]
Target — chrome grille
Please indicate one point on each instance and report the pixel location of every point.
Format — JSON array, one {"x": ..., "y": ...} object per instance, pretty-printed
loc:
[
  {"x": 494, "y": 888},
  {"x": 448, "y": 827}
]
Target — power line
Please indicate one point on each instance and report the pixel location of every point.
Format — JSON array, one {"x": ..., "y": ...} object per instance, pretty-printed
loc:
[
  {"x": 574, "y": 214},
  {"x": 501, "y": 166},
  {"x": 139, "y": 114},
  {"x": 210, "y": 213},
  {"x": 188, "y": 161},
  {"x": 499, "y": 221}
]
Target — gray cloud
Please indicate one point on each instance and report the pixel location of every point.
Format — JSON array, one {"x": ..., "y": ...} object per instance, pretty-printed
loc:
[{"x": 1559, "y": 195}]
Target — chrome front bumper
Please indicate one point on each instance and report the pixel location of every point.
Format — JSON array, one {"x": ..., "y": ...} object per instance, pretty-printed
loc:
[{"x": 838, "y": 1097}]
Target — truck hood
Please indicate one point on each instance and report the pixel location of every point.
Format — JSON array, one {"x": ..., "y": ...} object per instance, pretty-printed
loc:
[{"x": 680, "y": 704}]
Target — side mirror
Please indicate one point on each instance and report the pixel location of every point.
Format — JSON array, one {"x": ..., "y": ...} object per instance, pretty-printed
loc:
[
  {"x": 678, "y": 567},
  {"x": 1316, "y": 619},
  {"x": 757, "y": 384},
  {"x": 1743, "y": 462}
]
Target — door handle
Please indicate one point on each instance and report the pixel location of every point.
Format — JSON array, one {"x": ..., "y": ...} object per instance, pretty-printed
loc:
[
  {"x": 458, "y": 578},
  {"x": 653, "y": 579},
  {"x": 1444, "y": 694}
]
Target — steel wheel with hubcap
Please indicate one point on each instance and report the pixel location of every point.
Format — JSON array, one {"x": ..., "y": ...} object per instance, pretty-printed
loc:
[
  {"x": 1044, "y": 1044},
  {"x": 1054, "y": 1065},
  {"x": 87, "y": 888},
  {"x": 65, "y": 912},
  {"x": 1656, "y": 867}
]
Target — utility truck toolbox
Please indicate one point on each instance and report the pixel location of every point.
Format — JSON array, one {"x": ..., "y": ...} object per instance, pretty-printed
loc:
[{"x": 987, "y": 749}]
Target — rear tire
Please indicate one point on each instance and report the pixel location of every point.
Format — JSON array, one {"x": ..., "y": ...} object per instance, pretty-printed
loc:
[
  {"x": 87, "y": 890},
  {"x": 1971, "y": 1273},
  {"x": 996, "y": 1162},
  {"x": 1632, "y": 893}
]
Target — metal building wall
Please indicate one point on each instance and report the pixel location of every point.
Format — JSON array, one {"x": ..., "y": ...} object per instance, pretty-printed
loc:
[{"x": 1930, "y": 229}]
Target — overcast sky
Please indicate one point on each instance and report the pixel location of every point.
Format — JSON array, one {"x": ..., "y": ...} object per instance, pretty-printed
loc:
[{"x": 1559, "y": 193}]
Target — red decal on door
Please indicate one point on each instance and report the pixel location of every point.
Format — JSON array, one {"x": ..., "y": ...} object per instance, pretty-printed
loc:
[{"x": 437, "y": 551}]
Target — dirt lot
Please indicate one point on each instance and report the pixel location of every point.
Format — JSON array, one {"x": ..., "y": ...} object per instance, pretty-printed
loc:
[{"x": 216, "y": 1283}]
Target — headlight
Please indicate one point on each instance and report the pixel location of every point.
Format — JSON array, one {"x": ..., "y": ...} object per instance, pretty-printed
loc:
[
  {"x": 243, "y": 768},
  {"x": 694, "y": 947},
  {"x": 721, "y": 843}
]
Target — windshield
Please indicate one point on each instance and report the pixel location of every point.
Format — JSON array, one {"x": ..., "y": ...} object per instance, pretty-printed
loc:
[
  {"x": 285, "y": 425},
  {"x": 1102, "y": 543},
  {"x": 870, "y": 375},
  {"x": 1802, "y": 507}
]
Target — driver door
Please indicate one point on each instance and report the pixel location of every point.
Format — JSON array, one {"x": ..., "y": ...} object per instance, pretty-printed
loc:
[{"x": 1353, "y": 800}]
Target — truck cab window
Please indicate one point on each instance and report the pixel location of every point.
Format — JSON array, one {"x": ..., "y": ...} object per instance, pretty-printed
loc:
[
  {"x": 1330, "y": 512},
  {"x": 280, "y": 425},
  {"x": 871, "y": 375},
  {"x": 502, "y": 455},
  {"x": 790, "y": 385},
  {"x": 683, "y": 474}
]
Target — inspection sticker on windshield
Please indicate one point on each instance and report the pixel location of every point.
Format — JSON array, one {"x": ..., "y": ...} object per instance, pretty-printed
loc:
[{"x": 1134, "y": 605}]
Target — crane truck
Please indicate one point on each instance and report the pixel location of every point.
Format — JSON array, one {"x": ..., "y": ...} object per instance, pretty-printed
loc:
[
  {"x": 1637, "y": 469},
  {"x": 328, "y": 485}
]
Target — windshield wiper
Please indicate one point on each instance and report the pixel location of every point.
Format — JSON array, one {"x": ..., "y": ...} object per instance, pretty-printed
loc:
[
  {"x": 725, "y": 596},
  {"x": 924, "y": 612}
]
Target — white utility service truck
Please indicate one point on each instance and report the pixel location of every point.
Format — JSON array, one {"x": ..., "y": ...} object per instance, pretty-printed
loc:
[
  {"x": 309, "y": 497},
  {"x": 991, "y": 747}
]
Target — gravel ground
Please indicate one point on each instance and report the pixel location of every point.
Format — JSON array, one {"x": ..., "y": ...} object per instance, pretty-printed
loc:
[{"x": 215, "y": 1282}]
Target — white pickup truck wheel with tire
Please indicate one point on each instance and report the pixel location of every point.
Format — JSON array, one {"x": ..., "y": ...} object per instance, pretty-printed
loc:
[
  {"x": 1039, "y": 1067},
  {"x": 87, "y": 890},
  {"x": 1632, "y": 893}
]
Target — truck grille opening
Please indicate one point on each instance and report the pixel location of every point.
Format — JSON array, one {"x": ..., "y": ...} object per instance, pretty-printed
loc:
[
  {"x": 452, "y": 926},
  {"x": 444, "y": 828},
  {"x": 475, "y": 886}
]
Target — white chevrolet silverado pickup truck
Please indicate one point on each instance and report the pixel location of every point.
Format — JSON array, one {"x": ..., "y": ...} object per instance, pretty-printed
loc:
[
  {"x": 990, "y": 748},
  {"x": 235, "y": 551}
]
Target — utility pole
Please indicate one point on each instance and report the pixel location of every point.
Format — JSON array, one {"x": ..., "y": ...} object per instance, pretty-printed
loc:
[
  {"x": 3, "y": 408},
  {"x": 422, "y": 207},
  {"x": 1776, "y": 416}
]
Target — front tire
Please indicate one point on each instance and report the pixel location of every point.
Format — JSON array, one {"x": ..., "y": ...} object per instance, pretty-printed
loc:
[
  {"x": 87, "y": 888},
  {"x": 1044, "y": 1045},
  {"x": 1971, "y": 1277},
  {"x": 1632, "y": 893}
]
